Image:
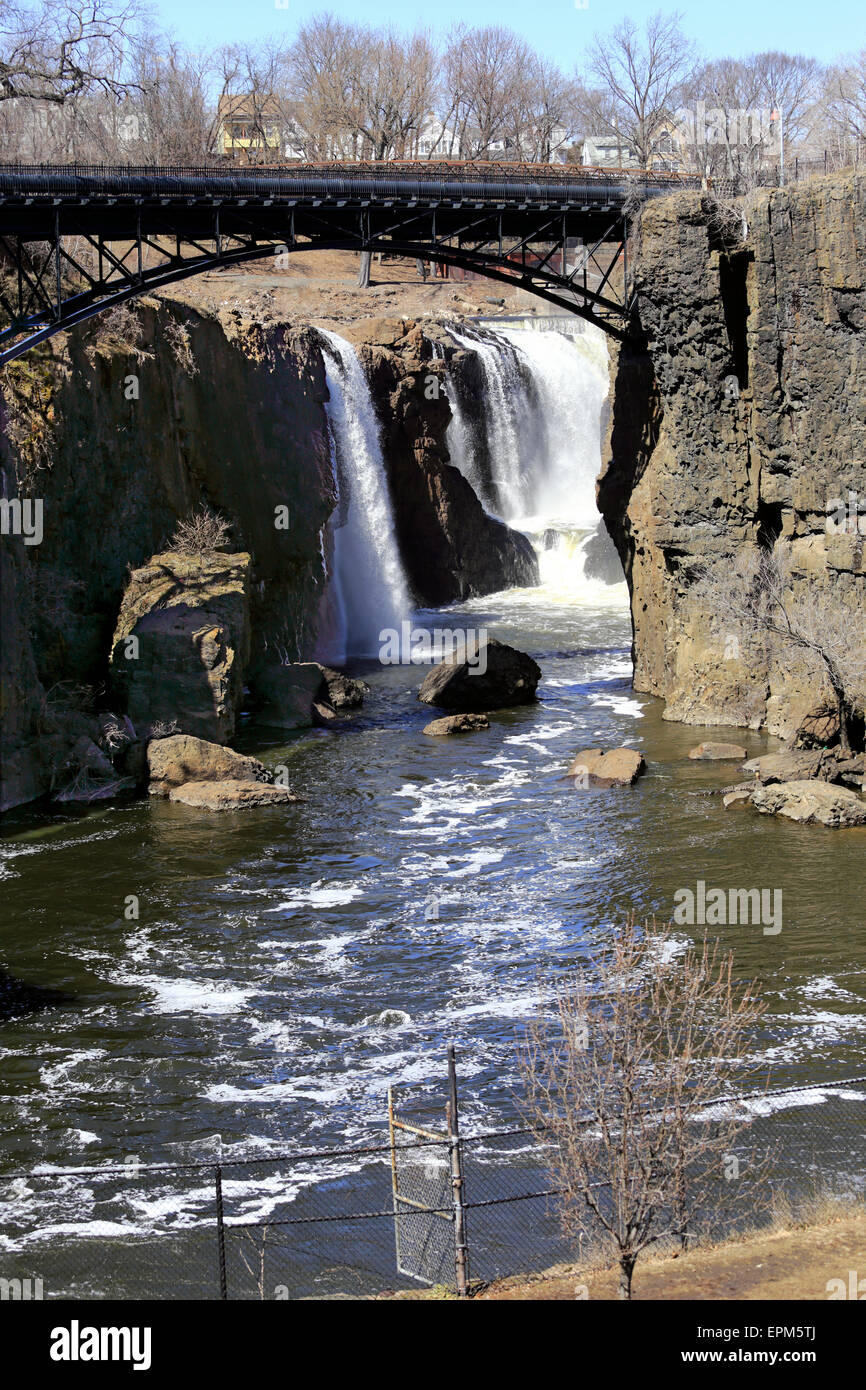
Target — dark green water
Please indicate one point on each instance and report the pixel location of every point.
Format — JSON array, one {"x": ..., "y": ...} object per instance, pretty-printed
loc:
[{"x": 287, "y": 965}]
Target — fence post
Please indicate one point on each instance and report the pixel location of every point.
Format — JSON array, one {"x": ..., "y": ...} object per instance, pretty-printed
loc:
[
  {"x": 221, "y": 1232},
  {"x": 461, "y": 1248}
]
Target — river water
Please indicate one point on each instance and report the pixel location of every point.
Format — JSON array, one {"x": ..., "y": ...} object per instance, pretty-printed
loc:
[{"x": 288, "y": 964}]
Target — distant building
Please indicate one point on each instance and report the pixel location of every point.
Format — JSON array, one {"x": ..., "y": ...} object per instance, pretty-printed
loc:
[
  {"x": 436, "y": 141},
  {"x": 606, "y": 152},
  {"x": 252, "y": 125},
  {"x": 615, "y": 152}
]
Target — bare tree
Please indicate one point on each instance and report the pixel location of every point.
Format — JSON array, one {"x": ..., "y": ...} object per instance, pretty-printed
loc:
[
  {"x": 253, "y": 86},
  {"x": 60, "y": 49},
  {"x": 482, "y": 69},
  {"x": 544, "y": 113},
  {"x": 756, "y": 596},
  {"x": 790, "y": 84},
  {"x": 618, "y": 1078},
  {"x": 644, "y": 73},
  {"x": 843, "y": 110},
  {"x": 725, "y": 130}
]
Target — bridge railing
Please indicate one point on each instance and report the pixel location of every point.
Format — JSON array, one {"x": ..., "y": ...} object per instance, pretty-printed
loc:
[{"x": 559, "y": 183}]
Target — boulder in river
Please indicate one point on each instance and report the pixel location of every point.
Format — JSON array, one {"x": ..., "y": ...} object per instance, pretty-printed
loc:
[
  {"x": 482, "y": 676},
  {"x": 180, "y": 759},
  {"x": 619, "y": 767},
  {"x": 343, "y": 692},
  {"x": 301, "y": 693},
  {"x": 790, "y": 766},
  {"x": 285, "y": 694},
  {"x": 718, "y": 752},
  {"x": 811, "y": 803},
  {"x": 456, "y": 724},
  {"x": 230, "y": 795}
]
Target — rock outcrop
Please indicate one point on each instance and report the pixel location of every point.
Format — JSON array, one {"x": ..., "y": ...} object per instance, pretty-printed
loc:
[
  {"x": 120, "y": 443},
  {"x": 182, "y": 643},
  {"x": 811, "y": 803},
  {"x": 491, "y": 676},
  {"x": 739, "y": 406}
]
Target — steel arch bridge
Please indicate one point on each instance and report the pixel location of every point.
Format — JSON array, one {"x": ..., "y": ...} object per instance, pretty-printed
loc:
[{"x": 76, "y": 239}]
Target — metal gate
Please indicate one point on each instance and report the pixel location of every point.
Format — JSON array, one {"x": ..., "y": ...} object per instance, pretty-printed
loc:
[{"x": 427, "y": 1187}]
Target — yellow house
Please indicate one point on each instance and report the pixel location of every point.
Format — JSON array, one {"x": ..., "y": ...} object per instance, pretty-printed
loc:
[{"x": 251, "y": 124}]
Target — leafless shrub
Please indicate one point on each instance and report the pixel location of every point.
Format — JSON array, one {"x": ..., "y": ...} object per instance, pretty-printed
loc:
[
  {"x": 178, "y": 339},
  {"x": 257, "y": 1269},
  {"x": 201, "y": 531},
  {"x": 162, "y": 729},
  {"x": 617, "y": 1080},
  {"x": 113, "y": 736},
  {"x": 726, "y": 219},
  {"x": 755, "y": 595},
  {"x": 73, "y": 695},
  {"x": 118, "y": 329}
]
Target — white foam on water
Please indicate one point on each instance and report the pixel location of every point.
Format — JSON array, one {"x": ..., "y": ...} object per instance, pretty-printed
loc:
[
  {"x": 176, "y": 996},
  {"x": 319, "y": 896}
]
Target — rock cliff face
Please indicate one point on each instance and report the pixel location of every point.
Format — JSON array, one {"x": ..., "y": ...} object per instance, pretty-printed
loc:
[
  {"x": 739, "y": 420},
  {"x": 129, "y": 425},
  {"x": 140, "y": 436}
]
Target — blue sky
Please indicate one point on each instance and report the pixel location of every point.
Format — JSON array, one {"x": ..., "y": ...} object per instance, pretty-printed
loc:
[{"x": 822, "y": 29}]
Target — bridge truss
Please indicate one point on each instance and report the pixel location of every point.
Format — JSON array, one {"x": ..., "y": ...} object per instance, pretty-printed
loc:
[{"x": 76, "y": 241}]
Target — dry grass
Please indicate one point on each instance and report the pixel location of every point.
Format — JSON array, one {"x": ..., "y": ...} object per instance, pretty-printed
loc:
[{"x": 792, "y": 1256}]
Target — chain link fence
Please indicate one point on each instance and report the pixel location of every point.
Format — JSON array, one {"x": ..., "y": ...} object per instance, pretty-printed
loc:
[{"x": 396, "y": 1214}]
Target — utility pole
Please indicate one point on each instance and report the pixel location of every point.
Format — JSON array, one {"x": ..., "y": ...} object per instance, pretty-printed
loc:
[{"x": 776, "y": 115}]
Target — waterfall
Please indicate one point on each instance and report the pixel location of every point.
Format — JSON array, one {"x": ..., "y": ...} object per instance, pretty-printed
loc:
[
  {"x": 570, "y": 386},
  {"x": 367, "y": 589},
  {"x": 538, "y": 427},
  {"x": 506, "y": 421}
]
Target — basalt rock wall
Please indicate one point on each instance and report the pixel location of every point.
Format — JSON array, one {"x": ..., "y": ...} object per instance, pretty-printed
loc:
[
  {"x": 126, "y": 426},
  {"x": 738, "y": 421}
]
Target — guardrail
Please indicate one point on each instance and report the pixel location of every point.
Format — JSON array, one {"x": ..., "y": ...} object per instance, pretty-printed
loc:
[{"x": 546, "y": 184}]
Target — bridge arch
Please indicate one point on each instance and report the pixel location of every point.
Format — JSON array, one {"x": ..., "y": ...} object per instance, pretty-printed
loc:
[{"x": 517, "y": 229}]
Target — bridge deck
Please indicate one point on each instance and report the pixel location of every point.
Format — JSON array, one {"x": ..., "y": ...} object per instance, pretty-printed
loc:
[{"x": 113, "y": 232}]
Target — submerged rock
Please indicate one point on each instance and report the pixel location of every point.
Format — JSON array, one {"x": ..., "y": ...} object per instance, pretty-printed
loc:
[
  {"x": 230, "y": 795},
  {"x": 181, "y": 759},
  {"x": 620, "y": 767},
  {"x": 456, "y": 724},
  {"x": 489, "y": 676},
  {"x": 718, "y": 752},
  {"x": 811, "y": 803},
  {"x": 17, "y": 998},
  {"x": 739, "y": 796}
]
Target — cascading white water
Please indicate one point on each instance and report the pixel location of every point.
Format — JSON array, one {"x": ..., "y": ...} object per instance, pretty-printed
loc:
[
  {"x": 541, "y": 426},
  {"x": 570, "y": 386},
  {"x": 367, "y": 589},
  {"x": 505, "y": 410}
]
